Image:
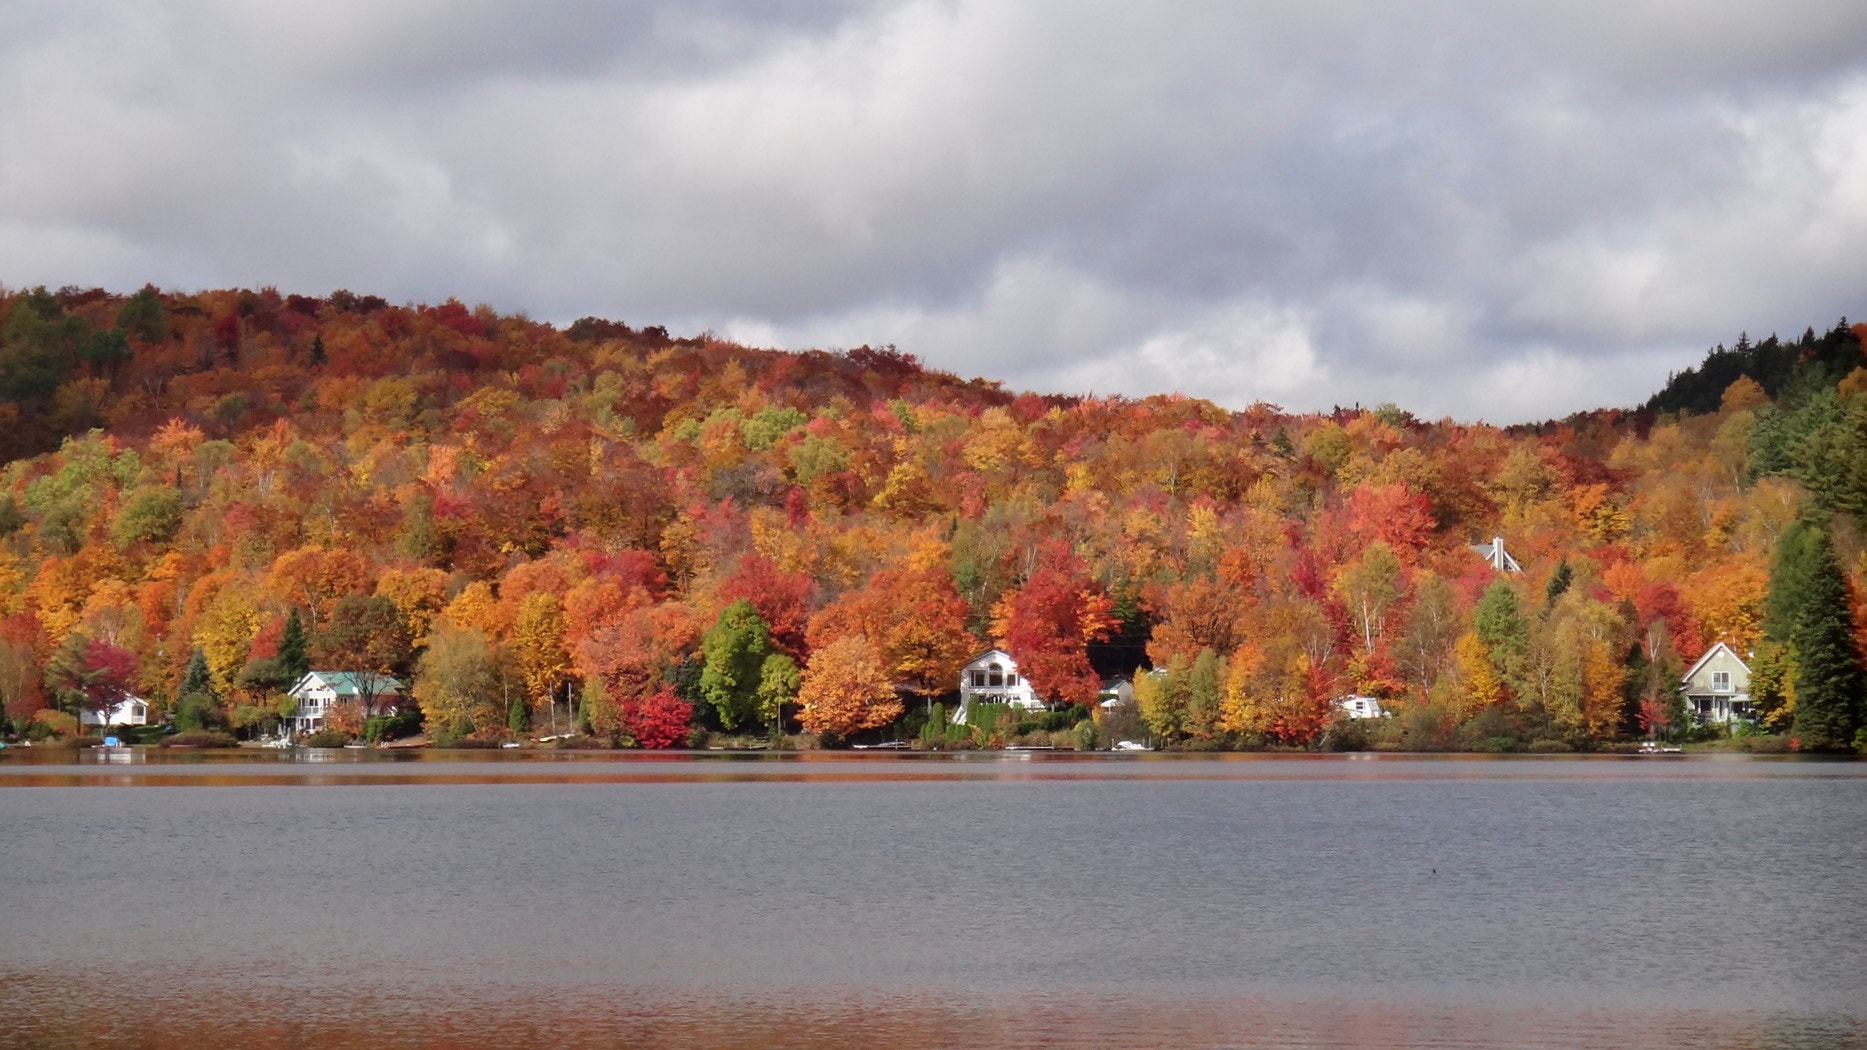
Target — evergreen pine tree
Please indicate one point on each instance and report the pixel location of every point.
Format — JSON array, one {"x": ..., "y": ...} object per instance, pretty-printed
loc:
[
  {"x": 1559, "y": 582},
  {"x": 196, "y": 705},
  {"x": 195, "y": 679},
  {"x": 294, "y": 659},
  {"x": 1828, "y": 664}
]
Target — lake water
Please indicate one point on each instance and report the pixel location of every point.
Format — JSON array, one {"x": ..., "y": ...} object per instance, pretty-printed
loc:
[{"x": 845, "y": 901}]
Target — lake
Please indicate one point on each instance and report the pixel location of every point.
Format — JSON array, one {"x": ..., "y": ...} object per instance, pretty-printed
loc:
[{"x": 474, "y": 900}]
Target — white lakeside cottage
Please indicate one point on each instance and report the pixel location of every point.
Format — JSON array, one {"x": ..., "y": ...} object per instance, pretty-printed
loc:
[
  {"x": 1717, "y": 688},
  {"x": 132, "y": 711},
  {"x": 319, "y": 691},
  {"x": 992, "y": 678}
]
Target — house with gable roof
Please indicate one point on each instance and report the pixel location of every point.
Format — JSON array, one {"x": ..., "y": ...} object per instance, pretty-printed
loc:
[
  {"x": 1495, "y": 553},
  {"x": 130, "y": 711},
  {"x": 1717, "y": 688},
  {"x": 992, "y": 678},
  {"x": 320, "y": 691}
]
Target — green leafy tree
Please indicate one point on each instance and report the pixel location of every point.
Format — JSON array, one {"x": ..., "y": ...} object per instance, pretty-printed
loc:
[
  {"x": 151, "y": 514},
  {"x": 734, "y": 652},
  {"x": 142, "y": 317},
  {"x": 38, "y": 344},
  {"x": 1499, "y": 622},
  {"x": 1205, "y": 686},
  {"x": 778, "y": 683}
]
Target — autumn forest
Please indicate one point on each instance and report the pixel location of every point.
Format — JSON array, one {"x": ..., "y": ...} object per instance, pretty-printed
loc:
[{"x": 612, "y": 534}]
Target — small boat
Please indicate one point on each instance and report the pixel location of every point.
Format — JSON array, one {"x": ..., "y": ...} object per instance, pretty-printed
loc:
[
  {"x": 510, "y": 745},
  {"x": 891, "y": 745},
  {"x": 1129, "y": 745},
  {"x": 355, "y": 747}
]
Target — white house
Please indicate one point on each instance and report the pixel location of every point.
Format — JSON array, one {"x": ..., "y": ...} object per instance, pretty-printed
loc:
[
  {"x": 131, "y": 712},
  {"x": 1495, "y": 553},
  {"x": 1361, "y": 707},
  {"x": 1717, "y": 688},
  {"x": 319, "y": 691},
  {"x": 992, "y": 678},
  {"x": 1115, "y": 692}
]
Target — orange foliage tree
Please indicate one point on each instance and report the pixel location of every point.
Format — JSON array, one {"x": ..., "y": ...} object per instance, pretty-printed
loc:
[{"x": 845, "y": 689}]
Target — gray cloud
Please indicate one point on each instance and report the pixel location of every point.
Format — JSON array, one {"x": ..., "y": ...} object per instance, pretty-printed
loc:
[{"x": 1506, "y": 211}]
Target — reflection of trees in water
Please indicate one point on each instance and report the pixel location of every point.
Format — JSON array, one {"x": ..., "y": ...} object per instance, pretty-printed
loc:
[{"x": 178, "y": 1011}]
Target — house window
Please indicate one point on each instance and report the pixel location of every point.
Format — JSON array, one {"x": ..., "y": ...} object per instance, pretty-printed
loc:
[
  {"x": 978, "y": 679},
  {"x": 997, "y": 679},
  {"x": 1011, "y": 679},
  {"x": 1721, "y": 681}
]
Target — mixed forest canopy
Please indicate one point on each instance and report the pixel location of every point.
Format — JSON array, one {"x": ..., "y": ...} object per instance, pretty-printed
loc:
[{"x": 647, "y": 537}]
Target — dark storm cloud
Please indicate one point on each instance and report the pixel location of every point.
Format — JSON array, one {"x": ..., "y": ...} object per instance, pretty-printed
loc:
[{"x": 1498, "y": 210}]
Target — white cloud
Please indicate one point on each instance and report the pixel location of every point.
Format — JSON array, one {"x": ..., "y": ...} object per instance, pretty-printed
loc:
[{"x": 1471, "y": 210}]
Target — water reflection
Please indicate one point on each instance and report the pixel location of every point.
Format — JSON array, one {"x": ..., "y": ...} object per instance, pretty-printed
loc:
[
  {"x": 51, "y": 767},
  {"x": 195, "y": 1010},
  {"x": 819, "y": 901}
]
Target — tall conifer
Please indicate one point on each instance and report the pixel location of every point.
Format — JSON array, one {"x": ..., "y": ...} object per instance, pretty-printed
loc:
[
  {"x": 1808, "y": 613},
  {"x": 294, "y": 659}
]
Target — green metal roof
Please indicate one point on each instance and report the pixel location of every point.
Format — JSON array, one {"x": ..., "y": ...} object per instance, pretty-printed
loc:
[{"x": 351, "y": 683}]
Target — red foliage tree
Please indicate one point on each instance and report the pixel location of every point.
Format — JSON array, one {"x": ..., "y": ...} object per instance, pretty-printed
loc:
[
  {"x": 1048, "y": 623},
  {"x": 657, "y": 721}
]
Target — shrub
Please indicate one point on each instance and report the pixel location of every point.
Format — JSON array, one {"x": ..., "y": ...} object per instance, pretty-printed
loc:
[
  {"x": 47, "y": 722},
  {"x": 1549, "y": 747},
  {"x": 196, "y": 711},
  {"x": 392, "y": 727},
  {"x": 1347, "y": 734},
  {"x": 200, "y": 738},
  {"x": 1064, "y": 718},
  {"x": 1499, "y": 745},
  {"x": 324, "y": 738}
]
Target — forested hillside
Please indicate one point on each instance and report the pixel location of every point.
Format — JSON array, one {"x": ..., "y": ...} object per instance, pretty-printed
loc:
[{"x": 651, "y": 537}]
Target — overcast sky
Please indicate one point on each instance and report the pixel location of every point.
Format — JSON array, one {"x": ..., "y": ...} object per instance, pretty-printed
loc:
[{"x": 1505, "y": 211}]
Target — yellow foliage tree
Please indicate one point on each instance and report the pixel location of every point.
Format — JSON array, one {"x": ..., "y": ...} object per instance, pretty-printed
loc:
[
  {"x": 1479, "y": 686},
  {"x": 225, "y": 632},
  {"x": 538, "y": 646},
  {"x": 419, "y": 594},
  {"x": 1241, "y": 706},
  {"x": 475, "y": 608}
]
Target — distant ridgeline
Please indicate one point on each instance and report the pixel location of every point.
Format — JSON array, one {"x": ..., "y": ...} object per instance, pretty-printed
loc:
[
  {"x": 1807, "y": 414},
  {"x": 76, "y": 359},
  {"x": 1780, "y": 368}
]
